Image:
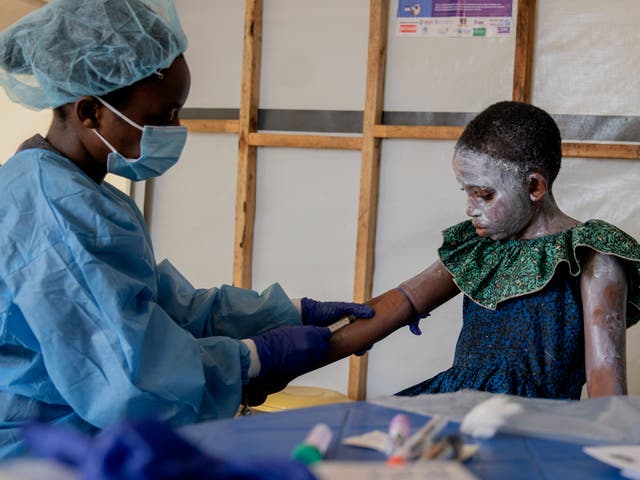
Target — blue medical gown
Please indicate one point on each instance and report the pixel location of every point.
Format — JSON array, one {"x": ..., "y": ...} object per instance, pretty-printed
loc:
[{"x": 91, "y": 329}]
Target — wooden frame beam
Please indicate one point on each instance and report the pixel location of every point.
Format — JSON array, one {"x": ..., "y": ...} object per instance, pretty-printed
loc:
[
  {"x": 523, "y": 58},
  {"x": 305, "y": 141},
  {"x": 247, "y": 153},
  {"x": 622, "y": 151},
  {"x": 603, "y": 151},
  {"x": 369, "y": 178},
  {"x": 211, "y": 126},
  {"x": 425, "y": 132}
]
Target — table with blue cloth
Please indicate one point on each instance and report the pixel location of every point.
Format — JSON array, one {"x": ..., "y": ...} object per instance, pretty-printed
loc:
[{"x": 505, "y": 456}]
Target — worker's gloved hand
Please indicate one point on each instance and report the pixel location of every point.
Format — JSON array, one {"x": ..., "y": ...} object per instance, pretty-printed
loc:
[
  {"x": 291, "y": 351},
  {"x": 284, "y": 354},
  {"x": 324, "y": 313},
  {"x": 258, "y": 389}
]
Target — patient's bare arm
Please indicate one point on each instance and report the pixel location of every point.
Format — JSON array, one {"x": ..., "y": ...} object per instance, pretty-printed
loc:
[
  {"x": 426, "y": 291},
  {"x": 394, "y": 310},
  {"x": 604, "y": 305}
]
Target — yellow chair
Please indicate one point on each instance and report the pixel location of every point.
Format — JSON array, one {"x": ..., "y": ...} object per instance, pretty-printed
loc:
[{"x": 295, "y": 396}]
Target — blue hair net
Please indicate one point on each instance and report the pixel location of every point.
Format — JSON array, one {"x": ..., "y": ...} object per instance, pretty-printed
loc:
[{"x": 71, "y": 48}]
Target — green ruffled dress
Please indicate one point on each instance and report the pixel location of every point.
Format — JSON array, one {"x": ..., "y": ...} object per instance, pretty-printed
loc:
[{"x": 522, "y": 330}]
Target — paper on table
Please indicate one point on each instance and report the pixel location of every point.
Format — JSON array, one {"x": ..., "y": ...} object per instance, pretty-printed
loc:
[
  {"x": 625, "y": 457},
  {"x": 380, "y": 471},
  {"x": 374, "y": 440}
]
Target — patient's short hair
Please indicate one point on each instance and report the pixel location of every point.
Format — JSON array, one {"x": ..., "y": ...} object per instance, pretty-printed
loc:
[{"x": 517, "y": 133}]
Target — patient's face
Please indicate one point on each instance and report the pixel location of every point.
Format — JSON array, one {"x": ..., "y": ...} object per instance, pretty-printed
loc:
[{"x": 497, "y": 200}]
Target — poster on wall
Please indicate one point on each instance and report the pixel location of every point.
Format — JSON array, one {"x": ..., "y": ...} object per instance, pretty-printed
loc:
[{"x": 454, "y": 18}]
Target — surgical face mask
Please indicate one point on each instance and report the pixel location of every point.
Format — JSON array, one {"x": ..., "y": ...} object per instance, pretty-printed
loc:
[{"x": 160, "y": 149}]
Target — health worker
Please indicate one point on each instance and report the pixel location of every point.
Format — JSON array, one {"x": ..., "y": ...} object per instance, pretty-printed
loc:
[{"x": 92, "y": 330}]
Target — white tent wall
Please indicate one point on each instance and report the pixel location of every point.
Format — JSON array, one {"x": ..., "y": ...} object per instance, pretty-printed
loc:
[
  {"x": 193, "y": 210},
  {"x": 306, "y": 214},
  {"x": 192, "y": 218},
  {"x": 18, "y": 123},
  {"x": 314, "y": 57},
  {"x": 314, "y": 54},
  {"x": 419, "y": 196},
  {"x": 214, "y": 28},
  {"x": 432, "y": 74},
  {"x": 585, "y": 57}
]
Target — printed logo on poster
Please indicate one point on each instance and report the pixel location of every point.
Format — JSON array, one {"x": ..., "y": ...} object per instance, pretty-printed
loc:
[
  {"x": 459, "y": 18},
  {"x": 407, "y": 28},
  {"x": 414, "y": 8}
]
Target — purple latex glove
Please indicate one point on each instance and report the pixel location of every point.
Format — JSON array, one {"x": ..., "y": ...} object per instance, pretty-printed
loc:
[
  {"x": 259, "y": 388},
  {"x": 322, "y": 314},
  {"x": 149, "y": 450},
  {"x": 291, "y": 351},
  {"x": 285, "y": 353}
]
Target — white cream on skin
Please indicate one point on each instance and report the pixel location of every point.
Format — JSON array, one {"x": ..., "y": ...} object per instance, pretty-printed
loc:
[
  {"x": 503, "y": 204},
  {"x": 604, "y": 289},
  {"x": 497, "y": 200}
]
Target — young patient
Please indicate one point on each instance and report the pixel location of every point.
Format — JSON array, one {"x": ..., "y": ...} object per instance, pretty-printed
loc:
[{"x": 547, "y": 298}]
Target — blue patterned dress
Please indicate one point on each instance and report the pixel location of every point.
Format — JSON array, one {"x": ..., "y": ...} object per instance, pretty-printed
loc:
[{"x": 522, "y": 330}]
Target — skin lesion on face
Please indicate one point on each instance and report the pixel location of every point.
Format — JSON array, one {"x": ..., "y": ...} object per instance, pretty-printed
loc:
[
  {"x": 497, "y": 200},
  {"x": 480, "y": 192}
]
